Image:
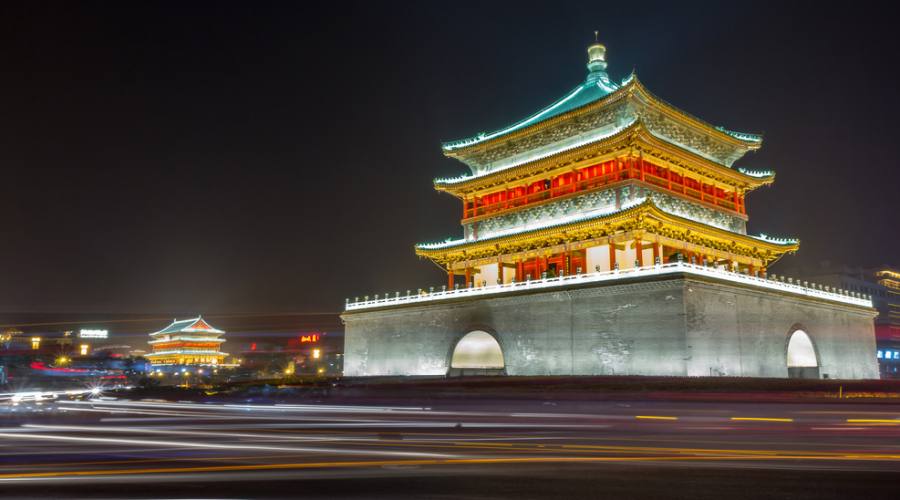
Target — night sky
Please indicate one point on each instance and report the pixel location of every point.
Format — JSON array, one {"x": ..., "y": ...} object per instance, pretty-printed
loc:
[{"x": 225, "y": 158}]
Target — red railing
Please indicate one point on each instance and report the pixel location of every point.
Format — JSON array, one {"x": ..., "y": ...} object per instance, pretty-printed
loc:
[{"x": 589, "y": 179}]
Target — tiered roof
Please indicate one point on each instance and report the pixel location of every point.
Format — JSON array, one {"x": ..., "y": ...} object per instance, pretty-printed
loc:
[
  {"x": 195, "y": 325},
  {"x": 644, "y": 214},
  {"x": 631, "y": 102},
  {"x": 637, "y": 135},
  {"x": 600, "y": 119}
]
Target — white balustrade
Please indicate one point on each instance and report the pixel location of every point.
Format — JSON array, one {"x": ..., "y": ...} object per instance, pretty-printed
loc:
[{"x": 793, "y": 287}]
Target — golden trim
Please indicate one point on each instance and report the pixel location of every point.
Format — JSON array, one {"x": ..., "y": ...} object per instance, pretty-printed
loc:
[
  {"x": 644, "y": 217},
  {"x": 631, "y": 140}
]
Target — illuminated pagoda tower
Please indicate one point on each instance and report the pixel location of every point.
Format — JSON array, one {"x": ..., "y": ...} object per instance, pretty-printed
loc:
[
  {"x": 609, "y": 176},
  {"x": 606, "y": 234},
  {"x": 187, "y": 342}
]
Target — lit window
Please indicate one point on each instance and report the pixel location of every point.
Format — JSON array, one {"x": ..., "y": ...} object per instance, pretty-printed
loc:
[
  {"x": 84, "y": 349},
  {"x": 316, "y": 353},
  {"x": 879, "y": 355}
]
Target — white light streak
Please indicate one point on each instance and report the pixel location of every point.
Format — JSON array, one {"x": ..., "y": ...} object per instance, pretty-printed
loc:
[{"x": 217, "y": 446}]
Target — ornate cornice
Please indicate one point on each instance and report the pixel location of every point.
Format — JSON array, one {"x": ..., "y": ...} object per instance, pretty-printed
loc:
[
  {"x": 634, "y": 140},
  {"x": 643, "y": 217}
]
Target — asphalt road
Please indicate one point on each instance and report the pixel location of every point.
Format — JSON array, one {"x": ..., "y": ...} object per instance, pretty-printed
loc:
[{"x": 456, "y": 449}]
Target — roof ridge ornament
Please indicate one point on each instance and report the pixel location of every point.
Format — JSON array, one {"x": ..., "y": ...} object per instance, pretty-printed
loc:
[{"x": 596, "y": 59}]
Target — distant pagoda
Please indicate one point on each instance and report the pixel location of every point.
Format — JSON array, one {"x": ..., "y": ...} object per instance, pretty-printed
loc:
[
  {"x": 187, "y": 342},
  {"x": 607, "y": 177}
]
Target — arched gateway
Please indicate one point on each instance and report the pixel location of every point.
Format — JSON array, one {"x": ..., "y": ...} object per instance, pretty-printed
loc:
[
  {"x": 802, "y": 361},
  {"x": 477, "y": 353}
]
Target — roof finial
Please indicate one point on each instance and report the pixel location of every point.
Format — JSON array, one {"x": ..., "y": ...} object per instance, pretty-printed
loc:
[{"x": 596, "y": 58}]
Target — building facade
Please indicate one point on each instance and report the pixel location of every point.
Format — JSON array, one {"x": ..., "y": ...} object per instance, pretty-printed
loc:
[
  {"x": 599, "y": 219},
  {"x": 187, "y": 342}
]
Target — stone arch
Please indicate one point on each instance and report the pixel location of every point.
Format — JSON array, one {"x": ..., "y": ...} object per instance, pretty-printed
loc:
[
  {"x": 801, "y": 356},
  {"x": 478, "y": 352}
]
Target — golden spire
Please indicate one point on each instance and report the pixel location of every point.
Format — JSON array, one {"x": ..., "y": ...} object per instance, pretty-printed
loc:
[{"x": 596, "y": 55}]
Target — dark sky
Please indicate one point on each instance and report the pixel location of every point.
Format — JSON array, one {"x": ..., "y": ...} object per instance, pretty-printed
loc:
[{"x": 214, "y": 157}]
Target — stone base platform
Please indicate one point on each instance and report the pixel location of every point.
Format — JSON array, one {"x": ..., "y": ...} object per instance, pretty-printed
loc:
[{"x": 675, "y": 322}]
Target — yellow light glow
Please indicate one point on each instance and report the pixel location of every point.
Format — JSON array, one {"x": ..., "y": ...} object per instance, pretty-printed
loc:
[
  {"x": 83, "y": 349},
  {"x": 316, "y": 353},
  {"x": 35, "y": 343},
  {"x": 320, "y": 371},
  {"x": 761, "y": 419}
]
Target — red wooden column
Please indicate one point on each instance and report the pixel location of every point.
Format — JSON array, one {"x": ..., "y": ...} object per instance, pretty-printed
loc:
[
  {"x": 656, "y": 253},
  {"x": 468, "y": 276},
  {"x": 639, "y": 252},
  {"x": 499, "y": 271},
  {"x": 751, "y": 269},
  {"x": 612, "y": 255},
  {"x": 520, "y": 270},
  {"x": 450, "y": 280}
]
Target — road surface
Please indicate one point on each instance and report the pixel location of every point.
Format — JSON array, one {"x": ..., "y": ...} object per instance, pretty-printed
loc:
[{"x": 452, "y": 449}]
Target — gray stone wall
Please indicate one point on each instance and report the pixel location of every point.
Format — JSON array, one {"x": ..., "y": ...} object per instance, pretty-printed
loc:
[
  {"x": 681, "y": 326},
  {"x": 738, "y": 331}
]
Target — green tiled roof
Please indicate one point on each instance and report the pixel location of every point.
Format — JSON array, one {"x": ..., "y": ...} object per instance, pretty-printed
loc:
[{"x": 596, "y": 87}]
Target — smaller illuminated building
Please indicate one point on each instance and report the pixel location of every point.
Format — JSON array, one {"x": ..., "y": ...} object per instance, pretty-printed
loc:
[{"x": 187, "y": 342}]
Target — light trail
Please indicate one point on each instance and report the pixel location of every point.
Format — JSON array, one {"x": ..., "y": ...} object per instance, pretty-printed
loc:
[
  {"x": 166, "y": 431},
  {"x": 761, "y": 419},
  {"x": 424, "y": 462},
  {"x": 187, "y": 444}
]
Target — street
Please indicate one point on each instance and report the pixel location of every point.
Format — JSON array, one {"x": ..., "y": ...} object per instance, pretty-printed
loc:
[{"x": 488, "y": 449}]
